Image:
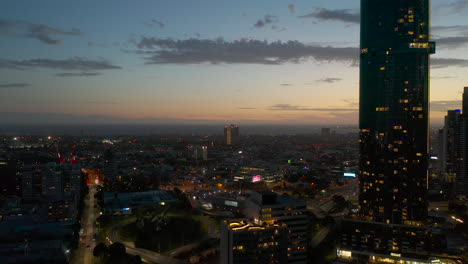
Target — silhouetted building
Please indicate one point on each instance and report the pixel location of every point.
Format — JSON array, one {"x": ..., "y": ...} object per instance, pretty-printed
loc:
[
  {"x": 244, "y": 241},
  {"x": 197, "y": 152},
  {"x": 231, "y": 134},
  {"x": 450, "y": 145},
  {"x": 50, "y": 181},
  {"x": 461, "y": 186},
  {"x": 325, "y": 131},
  {"x": 9, "y": 180}
]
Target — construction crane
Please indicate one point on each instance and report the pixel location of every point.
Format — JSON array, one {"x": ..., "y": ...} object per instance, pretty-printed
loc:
[
  {"x": 58, "y": 153},
  {"x": 74, "y": 161}
]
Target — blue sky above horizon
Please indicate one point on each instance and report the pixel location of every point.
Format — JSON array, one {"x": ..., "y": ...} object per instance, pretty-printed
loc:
[{"x": 221, "y": 61}]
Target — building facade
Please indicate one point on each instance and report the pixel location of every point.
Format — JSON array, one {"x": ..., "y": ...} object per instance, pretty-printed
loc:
[
  {"x": 244, "y": 241},
  {"x": 394, "y": 97},
  {"x": 271, "y": 208}
]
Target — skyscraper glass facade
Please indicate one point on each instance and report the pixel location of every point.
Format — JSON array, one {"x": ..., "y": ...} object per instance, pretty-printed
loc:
[{"x": 394, "y": 97}]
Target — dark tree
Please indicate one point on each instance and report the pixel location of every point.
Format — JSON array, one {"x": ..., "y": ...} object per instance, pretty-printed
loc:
[
  {"x": 117, "y": 250},
  {"x": 100, "y": 250}
]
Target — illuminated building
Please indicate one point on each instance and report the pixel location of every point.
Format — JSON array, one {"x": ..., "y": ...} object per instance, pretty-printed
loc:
[
  {"x": 270, "y": 208},
  {"x": 231, "y": 134},
  {"x": 258, "y": 242},
  {"x": 391, "y": 225}
]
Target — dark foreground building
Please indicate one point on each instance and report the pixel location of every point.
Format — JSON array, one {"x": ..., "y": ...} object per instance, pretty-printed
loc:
[
  {"x": 391, "y": 226},
  {"x": 244, "y": 241}
]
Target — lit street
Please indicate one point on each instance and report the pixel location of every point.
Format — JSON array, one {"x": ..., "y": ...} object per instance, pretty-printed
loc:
[{"x": 84, "y": 253}]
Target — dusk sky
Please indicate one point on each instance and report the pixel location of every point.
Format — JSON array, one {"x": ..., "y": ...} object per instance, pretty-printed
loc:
[{"x": 267, "y": 61}]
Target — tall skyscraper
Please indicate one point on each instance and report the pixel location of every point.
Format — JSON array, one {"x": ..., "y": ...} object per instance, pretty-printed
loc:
[
  {"x": 394, "y": 97},
  {"x": 231, "y": 134}
]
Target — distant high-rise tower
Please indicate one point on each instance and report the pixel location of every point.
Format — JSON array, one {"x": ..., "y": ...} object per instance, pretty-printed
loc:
[
  {"x": 394, "y": 102},
  {"x": 231, "y": 134},
  {"x": 461, "y": 186},
  {"x": 450, "y": 145}
]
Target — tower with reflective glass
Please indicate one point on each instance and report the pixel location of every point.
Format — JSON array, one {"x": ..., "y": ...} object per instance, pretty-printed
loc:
[{"x": 394, "y": 110}]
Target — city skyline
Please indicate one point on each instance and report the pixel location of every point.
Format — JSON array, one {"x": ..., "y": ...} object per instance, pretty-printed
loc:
[{"x": 291, "y": 62}]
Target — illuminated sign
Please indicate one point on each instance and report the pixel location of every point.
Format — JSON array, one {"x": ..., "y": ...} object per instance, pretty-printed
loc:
[
  {"x": 231, "y": 203},
  {"x": 256, "y": 178},
  {"x": 126, "y": 209},
  {"x": 434, "y": 158},
  {"x": 349, "y": 174}
]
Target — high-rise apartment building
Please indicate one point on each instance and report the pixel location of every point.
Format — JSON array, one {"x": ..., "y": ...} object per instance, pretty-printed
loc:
[
  {"x": 244, "y": 241},
  {"x": 393, "y": 122},
  {"x": 231, "y": 134},
  {"x": 394, "y": 98},
  {"x": 50, "y": 181}
]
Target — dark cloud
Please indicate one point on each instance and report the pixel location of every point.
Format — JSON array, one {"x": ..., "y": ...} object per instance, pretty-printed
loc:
[
  {"x": 351, "y": 102},
  {"x": 443, "y": 77},
  {"x": 74, "y": 64},
  {"x": 268, "y": 19},
  {"x": 102, "y": 102},
  {"x": 292, "y": 8},
  {"x": 155, "y": 22},
  {"x": 330, "y": 80},
  {"x": 286, "y": 84},
  {"x": 79, "y": 74},
  {"x": 454, "y": 28},
  {"x": 195, "y": 51},
  {"x": 288, "y": 107},
  {"x": 43, "y": 33},
  {"x": 438, "y": 63},
  {"x": 343, "y": 15},
  {"x": 14, "y": 85},
  {"x": 452, "y": 42},
  {"x": 246, "y": 108},
  {"x": 443, "y": 106}
]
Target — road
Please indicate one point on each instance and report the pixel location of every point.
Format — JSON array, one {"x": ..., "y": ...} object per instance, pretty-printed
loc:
[
  {"x": 320, "y": 236},
  {"x": 89, "y": 226},
  {"x": 153, "y": 257},
  {"x": 320, "y": 206},
  {"x": 84, "y": 254}
]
